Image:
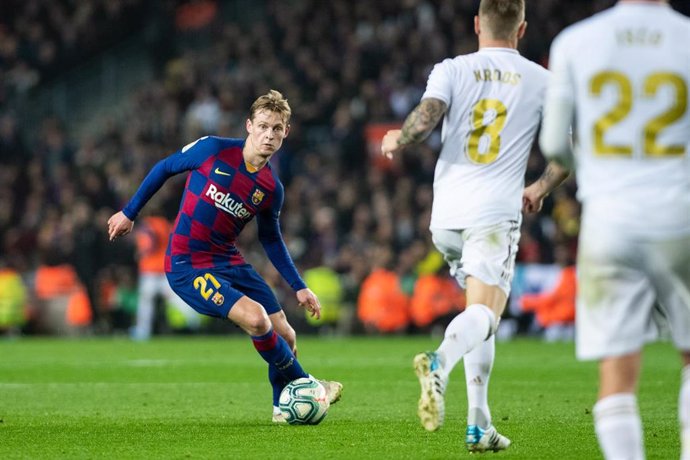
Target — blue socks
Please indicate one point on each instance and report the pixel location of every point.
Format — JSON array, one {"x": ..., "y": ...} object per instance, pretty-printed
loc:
[
  {"x": 277, "y": 353},
  {"x": 277, "y": 382}
]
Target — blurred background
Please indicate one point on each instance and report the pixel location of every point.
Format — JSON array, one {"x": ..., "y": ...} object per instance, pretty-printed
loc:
[{"x": 94, "y": 92}]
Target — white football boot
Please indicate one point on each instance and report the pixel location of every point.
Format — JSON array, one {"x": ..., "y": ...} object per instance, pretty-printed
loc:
[
  {"x": 334, "y": 390},
  {"x": 278, "y": 416},
  {"x": 482, "y": 440},
  {"x": 431, "y": 408}
]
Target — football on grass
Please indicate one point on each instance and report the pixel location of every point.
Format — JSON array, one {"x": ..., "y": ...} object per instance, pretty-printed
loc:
[{"x": 304, "y": 402}]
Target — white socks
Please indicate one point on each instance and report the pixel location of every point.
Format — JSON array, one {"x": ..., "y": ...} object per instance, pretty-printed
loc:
[
  {"x": 478, "y": 364},
  {"x": 684, "y": 414},
  {"x": 618, "y": 427},
  {"x": 466, "y": 331}
]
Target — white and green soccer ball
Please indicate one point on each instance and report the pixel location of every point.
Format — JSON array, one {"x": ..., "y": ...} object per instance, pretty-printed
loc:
[{"x": 304, "y": 402}]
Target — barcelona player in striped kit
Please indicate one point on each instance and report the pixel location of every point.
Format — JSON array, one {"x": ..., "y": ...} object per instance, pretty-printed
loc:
[{"x": 230, "y": 182}]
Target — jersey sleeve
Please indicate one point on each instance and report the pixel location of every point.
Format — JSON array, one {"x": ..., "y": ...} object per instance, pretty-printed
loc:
[
  {"x": 439, "y": 85},
  {"x": 559, "y": 107},
  {"x": 188, "y": 158},
  {"x": 272, "y": 241}
]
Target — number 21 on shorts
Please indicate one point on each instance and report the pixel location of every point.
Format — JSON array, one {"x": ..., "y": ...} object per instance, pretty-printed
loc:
[{"x": 201, "y": 284}]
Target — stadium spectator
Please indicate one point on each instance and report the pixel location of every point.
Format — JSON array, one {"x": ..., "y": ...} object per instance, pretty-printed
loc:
[
  {"x": 118, "y": 288},
  {"x": 63, "y": 305},
  {"x": 43, "y": 39},
  {"x": 152, "y": 235},
  {"x": 230, "y": 182},
  {"x": 326, "y": 284},
  {"x": 436, "y": 300},
  {"x": 555, "y": 310},
  {"x": 13, "y": 300},
  {"x": 372, "y": 55},
  {"x": 382, "y": 306}
]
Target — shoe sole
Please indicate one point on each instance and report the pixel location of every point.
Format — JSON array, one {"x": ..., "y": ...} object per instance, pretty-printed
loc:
[
  {"x": 481, "y": 450},
  {"x": 427, "y": 409},
  {"x": 478, "y": 450}
]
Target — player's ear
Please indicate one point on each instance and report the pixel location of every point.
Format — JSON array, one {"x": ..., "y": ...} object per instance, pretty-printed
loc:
[
  {"x": 476, "y": 25},
  {"x": 287, "y": 130},
  {"x": 521, "y": 30},
  {"x": 248, "y": 125}
]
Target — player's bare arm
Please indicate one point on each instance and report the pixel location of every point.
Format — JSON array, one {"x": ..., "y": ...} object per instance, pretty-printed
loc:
[
  {"x": 421, "y": 121},
  {"x": 533, "y": 196},
  {"x": 417, "y": 126}
]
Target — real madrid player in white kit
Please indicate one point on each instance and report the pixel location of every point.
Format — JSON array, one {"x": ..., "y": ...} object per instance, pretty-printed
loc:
[
  {"x": 492, "y": 101},
  {"x": 623, "y": 77}
]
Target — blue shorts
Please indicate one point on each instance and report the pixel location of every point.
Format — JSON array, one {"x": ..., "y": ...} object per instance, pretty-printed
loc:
[{"x": 213, "y": 291}]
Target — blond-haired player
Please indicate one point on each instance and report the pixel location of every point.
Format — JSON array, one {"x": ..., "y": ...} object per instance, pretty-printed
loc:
[
  {"x": 230, "y": 182},
  {"x": 491, "y": 102},
  {"x": 622, "y": 76}
]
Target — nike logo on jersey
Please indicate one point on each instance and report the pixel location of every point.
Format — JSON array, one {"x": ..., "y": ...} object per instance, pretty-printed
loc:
[{"x": 221, "y": 173}]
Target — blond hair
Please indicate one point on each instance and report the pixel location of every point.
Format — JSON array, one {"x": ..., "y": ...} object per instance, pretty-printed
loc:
[
  {"x": 272, "y": 101},
  {"x": 502, "y": 17}
]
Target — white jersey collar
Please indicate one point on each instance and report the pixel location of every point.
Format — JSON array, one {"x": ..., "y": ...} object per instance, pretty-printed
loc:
[{"x": 495, "y": 49}]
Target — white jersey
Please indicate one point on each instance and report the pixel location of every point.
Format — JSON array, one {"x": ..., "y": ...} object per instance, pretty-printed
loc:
[
  {"x": 625, "y": 74},
  {"x": 494, "y": 99}
]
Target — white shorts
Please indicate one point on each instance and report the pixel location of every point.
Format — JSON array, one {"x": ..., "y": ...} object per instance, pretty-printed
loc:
[
  {"x": 629, "y": 290},
  {"x": 486, "y": 253}
]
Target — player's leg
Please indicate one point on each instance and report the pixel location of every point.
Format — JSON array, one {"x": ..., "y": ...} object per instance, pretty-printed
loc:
[
  {"x": 247, "y": 280},
  {"x": 470, "y": 329},
  {"x": 211, "y": 293},
  {"x": 285, "y": 330},
  {"x": 485, "y": 304},
  {"x": 614, "y": 307},
  {"x": 478, "y": 364},
  {"x": 251, "y": 317},
  {"x": 482, "y": 260},
  {"x": 684, "y": 407},
  {"x": 616, "y": 414},
  {"x": 671, "y": 277},
  {"x": 145, "y": 307},
  {"x": 481, "y": 435}
]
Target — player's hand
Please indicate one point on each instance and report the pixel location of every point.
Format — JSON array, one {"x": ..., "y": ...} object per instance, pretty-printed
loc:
[
  {"x": 533, "y": 198},
  {"x": 389, "y": 144},
  {"x": 119, "y": 225},
  {"x": 307, "y": 299}
]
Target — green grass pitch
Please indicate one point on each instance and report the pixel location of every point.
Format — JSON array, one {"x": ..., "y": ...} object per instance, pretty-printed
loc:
[{"x": 196, "y": 397}]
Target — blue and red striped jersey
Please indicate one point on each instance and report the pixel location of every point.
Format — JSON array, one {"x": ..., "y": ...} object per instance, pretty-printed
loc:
[{"x": 220, "y": 197}]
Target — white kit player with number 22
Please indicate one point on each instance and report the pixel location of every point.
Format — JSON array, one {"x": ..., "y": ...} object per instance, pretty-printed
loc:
[
  {"x": 622, "y": 76},
  {"x": 491, "y": 102}
]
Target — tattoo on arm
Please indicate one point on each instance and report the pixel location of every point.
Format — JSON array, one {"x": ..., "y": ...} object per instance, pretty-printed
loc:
[
  {"x": 552, "y": 177},
  {"x": 422, "y": 121}
]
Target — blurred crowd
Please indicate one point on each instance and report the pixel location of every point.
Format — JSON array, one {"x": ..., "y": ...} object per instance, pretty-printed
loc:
[
  {"x": 357, "y": 68},
  {"x": 41, "y": 38}
]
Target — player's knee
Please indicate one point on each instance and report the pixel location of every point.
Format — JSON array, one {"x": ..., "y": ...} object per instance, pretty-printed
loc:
[{"x": 256, "y": 322}]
